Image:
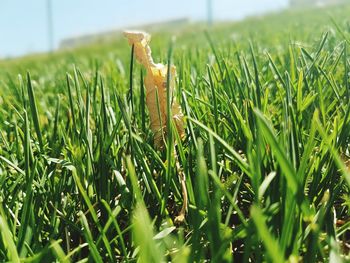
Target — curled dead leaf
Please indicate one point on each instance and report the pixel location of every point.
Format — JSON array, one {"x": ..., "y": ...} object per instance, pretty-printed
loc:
[{"x": 156, "y": 88}]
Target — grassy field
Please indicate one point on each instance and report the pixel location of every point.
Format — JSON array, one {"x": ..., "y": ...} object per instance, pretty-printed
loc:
[{"x": 266, "y": 152}]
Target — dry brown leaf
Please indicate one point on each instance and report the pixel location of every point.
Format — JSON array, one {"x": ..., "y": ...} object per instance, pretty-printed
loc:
[{"x": 156, "y": 83}]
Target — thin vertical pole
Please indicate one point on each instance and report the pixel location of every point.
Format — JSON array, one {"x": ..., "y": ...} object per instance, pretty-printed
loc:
[
  {"x": 210, "y": 12},
  {"x": 50, "y": 25}
]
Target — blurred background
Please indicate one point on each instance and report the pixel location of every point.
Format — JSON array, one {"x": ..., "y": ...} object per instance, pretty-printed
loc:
[{"x": 44, "y": 25}]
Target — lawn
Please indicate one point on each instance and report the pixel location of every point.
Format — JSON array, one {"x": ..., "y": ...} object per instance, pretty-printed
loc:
[{"x": 266, "y": 151}]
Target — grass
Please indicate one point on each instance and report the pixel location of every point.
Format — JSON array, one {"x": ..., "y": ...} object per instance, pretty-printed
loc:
[{"x": 266, "y": 153}]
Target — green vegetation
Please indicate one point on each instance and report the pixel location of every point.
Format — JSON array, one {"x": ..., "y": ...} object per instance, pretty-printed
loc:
[{"x": 266, "y": 153}]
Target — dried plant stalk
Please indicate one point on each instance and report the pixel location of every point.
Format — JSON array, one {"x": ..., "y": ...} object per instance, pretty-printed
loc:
[
  {"x": 156, "y": 100},
  {"x": 156, "y": 85}
]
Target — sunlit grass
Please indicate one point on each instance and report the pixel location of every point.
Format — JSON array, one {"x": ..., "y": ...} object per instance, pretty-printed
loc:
[{"x": 266, "y": 152}]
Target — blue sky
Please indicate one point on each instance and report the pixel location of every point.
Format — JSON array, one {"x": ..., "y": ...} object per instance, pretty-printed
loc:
[{"x": 23, "y": 23}]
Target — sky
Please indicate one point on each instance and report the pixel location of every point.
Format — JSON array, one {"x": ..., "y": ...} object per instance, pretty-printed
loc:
[{"x": 24, "y": 23}]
